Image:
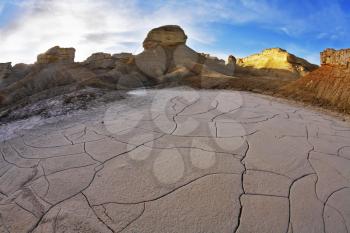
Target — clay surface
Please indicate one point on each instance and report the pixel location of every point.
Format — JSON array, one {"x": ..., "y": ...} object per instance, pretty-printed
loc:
[{"x": 179, "y": 160}]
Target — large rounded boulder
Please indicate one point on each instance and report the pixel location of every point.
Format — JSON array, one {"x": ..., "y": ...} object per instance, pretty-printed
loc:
[{"x": 169, "y": 35}]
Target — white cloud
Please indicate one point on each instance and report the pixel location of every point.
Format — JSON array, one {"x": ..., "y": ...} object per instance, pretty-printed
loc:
[
  {"x": 88, "y": 25},
  {"x": 114, "y": 25},
  {"x": 118, "y": 25}
]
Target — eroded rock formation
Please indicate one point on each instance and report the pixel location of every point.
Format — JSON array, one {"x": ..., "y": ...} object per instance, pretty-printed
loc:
[
  {"x": 100, "y": 61},
  {"x": 57, "y": 54},
  {"x": 275, "y": 62},
  {"x": 166, "y": 56},
  {"x": 5, "y": 70},
  {"x": 328, "y": 85},
  {"x": 335, "y": 57},
  {"x": 170, "y": 35}
]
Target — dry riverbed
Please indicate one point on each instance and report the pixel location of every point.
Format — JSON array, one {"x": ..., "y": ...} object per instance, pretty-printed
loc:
[{"x": 177, "y": 160}]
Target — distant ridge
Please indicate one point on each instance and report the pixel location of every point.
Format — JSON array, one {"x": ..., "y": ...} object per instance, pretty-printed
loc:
[{"x": 276, "y": 62}]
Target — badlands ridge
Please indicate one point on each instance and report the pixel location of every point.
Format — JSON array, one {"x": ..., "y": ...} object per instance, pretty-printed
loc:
[{"x": 167, "y": 61}]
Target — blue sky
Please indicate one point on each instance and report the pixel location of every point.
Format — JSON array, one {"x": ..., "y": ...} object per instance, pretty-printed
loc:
[{"x": 219, "y": 27}]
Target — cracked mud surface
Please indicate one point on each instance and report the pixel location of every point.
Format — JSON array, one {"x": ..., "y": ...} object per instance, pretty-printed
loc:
[{"x": 179, "y": 160}]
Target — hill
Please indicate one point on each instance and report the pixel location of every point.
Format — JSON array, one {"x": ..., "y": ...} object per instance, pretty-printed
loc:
[
  {"x": 275, "y": 62},
  {"x": 327, "y": 86}
]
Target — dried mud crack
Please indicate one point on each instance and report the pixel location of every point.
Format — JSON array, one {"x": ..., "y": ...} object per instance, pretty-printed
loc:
[{"x": 179, "y": 160}]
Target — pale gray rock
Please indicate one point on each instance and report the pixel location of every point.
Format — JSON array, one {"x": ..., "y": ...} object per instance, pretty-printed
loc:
[
  {"x": 100, "y": 61},
  {"x": 5, "y": 70},
  {"x": 153, "y": 62}
]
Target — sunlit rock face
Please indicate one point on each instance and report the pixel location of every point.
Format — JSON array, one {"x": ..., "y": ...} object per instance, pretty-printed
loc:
[
  {"x": 335, "y": 57},
  {"x": 57, "y": 55},
  {"x": 328, "y": 85},
  {"x": 276, "y": 62}
]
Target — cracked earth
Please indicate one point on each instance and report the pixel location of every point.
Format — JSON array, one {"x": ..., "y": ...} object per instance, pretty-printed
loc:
[{"x": 179, "y": 160}]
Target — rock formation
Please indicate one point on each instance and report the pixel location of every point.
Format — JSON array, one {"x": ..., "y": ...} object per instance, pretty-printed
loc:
[
  {"x": 166, "y": 53},
  {"x": 56, "y": 73},
  {"x": 5, "y": 70},
  {"x": 100, "y": 61},
  {"x": 57, "y": 54},
  {"x": 166, "y": 58},
  {"x": 275, "y": 62},
  {"x": 328, "y": 85},
  {"x": 335, "y": 57},
  {"x": 170, "y": 35},
  {"x": 9, "y": 74}
]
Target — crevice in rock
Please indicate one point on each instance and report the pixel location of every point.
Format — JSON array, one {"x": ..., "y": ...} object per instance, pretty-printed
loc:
[
  {"x": 242, "y": 187},
  {"x": 92, "y": 209},
  {"x": 134, "y": 220}
]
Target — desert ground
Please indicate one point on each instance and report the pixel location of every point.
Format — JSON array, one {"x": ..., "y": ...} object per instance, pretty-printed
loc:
[{"x": 178, "y": 160}]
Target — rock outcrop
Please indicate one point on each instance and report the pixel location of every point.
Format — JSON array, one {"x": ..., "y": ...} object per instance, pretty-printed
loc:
[
  {"x": 335, "y": 57},
  {"x": 166, "y": 56},
  {"x": 10, "y": 74},
  {"x": 275, "y": 62},
  {"x": 170, "y": 35},
  {"x": 5, "y": 70},
  {"x": 100, "y": 61},
  {"x": 126, "y": 58},
  {"x": 328, "y": 85},
  {"x": 57, "y": 55}
]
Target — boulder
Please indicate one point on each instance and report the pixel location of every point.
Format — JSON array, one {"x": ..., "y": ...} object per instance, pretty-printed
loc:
[
  {"x": 165, "y": 51},
  {"x": 169, "y": 35},
  {"x": 5, "y": 70},
  {"x": 152, "y": 63},
  {"x": 100, "y": 61},
  {"x": 57, "y": 55},
  {"x": 14, "y": 74},
  {"x": 231, "y": 64},
  {"x": 219, "y": 66},
  {"x": 123, "y": 57},
  {"x": 275, "y": 62}
]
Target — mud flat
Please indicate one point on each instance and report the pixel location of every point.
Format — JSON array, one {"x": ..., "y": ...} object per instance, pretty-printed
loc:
[{"x": 178, "y": 160}]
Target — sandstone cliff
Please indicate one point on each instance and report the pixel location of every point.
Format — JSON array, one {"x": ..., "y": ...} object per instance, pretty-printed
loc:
[
  {"x": 335, "y": 57},
  {"x": 57, "y": 54},
  {"x": 275, "y": 62},
  {"x": 328, "y": 85}
]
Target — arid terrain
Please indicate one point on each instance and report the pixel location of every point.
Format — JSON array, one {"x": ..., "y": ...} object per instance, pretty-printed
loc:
[
  {"x": 179, "y": 160},
  {"x": 174, "y": 140}
]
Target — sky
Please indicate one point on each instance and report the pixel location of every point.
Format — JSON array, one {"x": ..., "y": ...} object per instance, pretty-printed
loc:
[{"x": 218, "y": 27}]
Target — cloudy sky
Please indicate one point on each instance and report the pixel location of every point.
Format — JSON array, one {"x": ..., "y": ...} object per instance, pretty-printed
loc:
[{"x": 219, "y": 27}]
